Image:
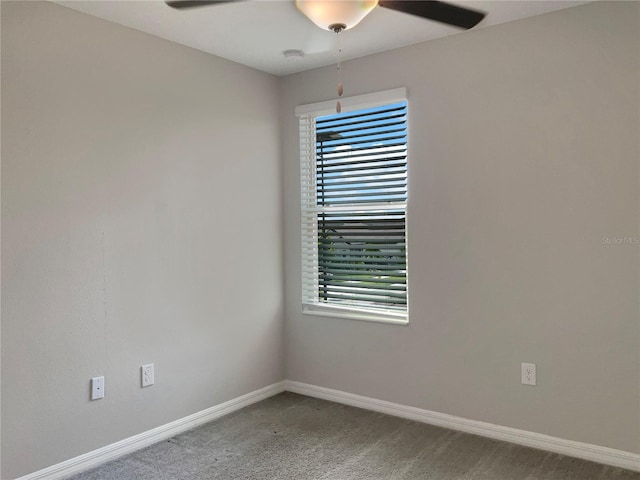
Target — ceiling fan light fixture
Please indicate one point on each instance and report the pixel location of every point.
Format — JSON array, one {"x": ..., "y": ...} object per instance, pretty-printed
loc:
[{"x": 327, "y": 14}]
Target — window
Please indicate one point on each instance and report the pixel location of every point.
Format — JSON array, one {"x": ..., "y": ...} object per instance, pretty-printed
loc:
[{"x": 354, "y": 204}]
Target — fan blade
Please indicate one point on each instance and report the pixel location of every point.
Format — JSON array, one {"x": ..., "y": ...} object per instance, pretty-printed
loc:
[
  {"x": 438, "y": 11},
  {"x": 180, "y": 4}
]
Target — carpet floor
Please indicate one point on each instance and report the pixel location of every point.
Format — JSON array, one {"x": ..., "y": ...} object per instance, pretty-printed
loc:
[{"x": 291, "y": 436}]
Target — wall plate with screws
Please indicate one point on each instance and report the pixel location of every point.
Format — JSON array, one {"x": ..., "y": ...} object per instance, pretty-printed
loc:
[
  {"x": 528, "y": 371},
  {"x": 147, "y": 375},
  {"x": 97, "y": 388}
]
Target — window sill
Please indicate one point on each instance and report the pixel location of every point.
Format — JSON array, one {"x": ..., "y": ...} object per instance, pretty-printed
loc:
[{"x": 353, "y": 314}]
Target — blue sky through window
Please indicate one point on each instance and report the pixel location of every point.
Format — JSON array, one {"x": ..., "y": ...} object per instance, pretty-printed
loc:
[{"x": 362, "y": 155}]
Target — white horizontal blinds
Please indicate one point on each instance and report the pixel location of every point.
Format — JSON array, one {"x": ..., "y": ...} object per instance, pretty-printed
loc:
[
  {"x": 362, "y": 157},
  {"x": 354, "y": 252},
  {"x": 309, "y": 210},
  {"x": 361, "y": 258}
]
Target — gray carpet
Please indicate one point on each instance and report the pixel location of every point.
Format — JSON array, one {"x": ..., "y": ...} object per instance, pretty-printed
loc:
[{"x": 291, "y": 436}]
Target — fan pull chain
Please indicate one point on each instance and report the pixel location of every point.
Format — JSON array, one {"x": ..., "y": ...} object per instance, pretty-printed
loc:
[{"x": 339, "y": 69}]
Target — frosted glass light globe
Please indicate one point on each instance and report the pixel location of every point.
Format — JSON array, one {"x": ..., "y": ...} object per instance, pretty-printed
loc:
[{"x": 327, "y": 13}]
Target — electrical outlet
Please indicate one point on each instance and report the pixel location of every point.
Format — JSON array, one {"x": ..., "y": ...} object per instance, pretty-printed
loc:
[
  {"x": 147, "y": 375},
  {"x": 97, "y": 388},
  {"x": 528, "y": 373}
]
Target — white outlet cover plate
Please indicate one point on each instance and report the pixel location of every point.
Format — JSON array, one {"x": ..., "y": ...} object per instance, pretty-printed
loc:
[
  {"x": 147, "y": 375},
  {"x": 528, "y": 373}
]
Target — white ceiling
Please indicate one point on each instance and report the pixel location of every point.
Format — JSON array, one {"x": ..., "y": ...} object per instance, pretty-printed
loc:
[{"x": 256, "y": 33}]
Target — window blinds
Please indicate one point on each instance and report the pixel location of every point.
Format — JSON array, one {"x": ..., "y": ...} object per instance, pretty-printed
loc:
[{"x": 354, "y": 194}]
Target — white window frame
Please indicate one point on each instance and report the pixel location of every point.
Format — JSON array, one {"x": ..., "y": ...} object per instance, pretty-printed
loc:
[{"x": 310, "y": 302}]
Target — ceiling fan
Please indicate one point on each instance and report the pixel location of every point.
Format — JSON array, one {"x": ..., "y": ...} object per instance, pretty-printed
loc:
[
  {"x": 340, "y": 15},
  {"x": 346, "y": 14}
]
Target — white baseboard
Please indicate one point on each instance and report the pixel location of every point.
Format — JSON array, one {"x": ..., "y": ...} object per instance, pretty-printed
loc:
[
  {"x": 585, "y": 451},
  {"x": 131, "y": 444}
]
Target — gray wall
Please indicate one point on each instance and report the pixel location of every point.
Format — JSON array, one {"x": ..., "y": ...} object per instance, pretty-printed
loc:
[
  {"x": 524, "y": 154},
  {"x": 141, "y": 222},
  {"x": 131, "y": 201}
]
